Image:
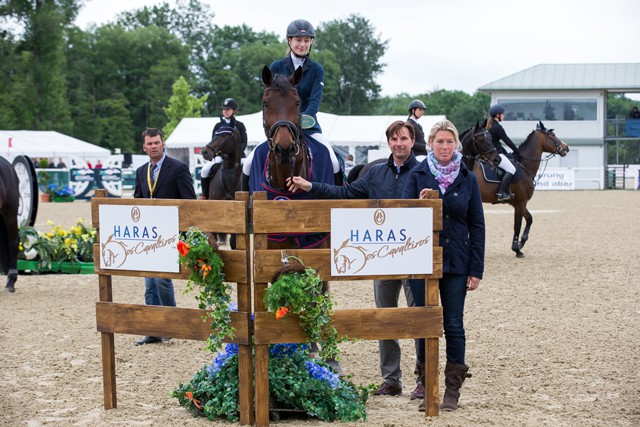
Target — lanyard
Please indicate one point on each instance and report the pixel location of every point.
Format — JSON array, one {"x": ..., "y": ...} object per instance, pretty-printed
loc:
[{"x": 152, "y": 183}]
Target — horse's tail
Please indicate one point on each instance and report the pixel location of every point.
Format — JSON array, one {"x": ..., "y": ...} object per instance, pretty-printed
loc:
[{"x": 4, "y": 247}]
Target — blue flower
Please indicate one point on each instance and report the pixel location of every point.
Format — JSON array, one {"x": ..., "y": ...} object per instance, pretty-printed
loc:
[
  {"x": 286, "y": 350},
  {"x": 230, "y": 350},
  {"x": 321, "y": 373}
]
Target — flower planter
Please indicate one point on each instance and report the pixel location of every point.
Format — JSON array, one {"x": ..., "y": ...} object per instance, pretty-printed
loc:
[
  {"x": 46, "y": 198},
  {"x": 62, "y": 199},
  {"x": 57, "y": 267}
]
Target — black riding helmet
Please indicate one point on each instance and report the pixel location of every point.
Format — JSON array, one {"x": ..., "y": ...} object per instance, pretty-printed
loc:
[
  {"x": 230, "y": 103},
  {"x": 495, "y": 110},
  {"x": 301, "y": 28},
  {"x": 416, "y": 103}
]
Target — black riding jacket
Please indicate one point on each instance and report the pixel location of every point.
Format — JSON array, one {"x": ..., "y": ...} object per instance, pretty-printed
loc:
[
  {"x": 497, "y": 133},
  {"x": 420, "y": 146},
  {"x": 382, "y": 181}
]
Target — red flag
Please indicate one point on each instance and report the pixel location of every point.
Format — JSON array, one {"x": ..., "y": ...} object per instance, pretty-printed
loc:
[{"x": 10, "y": 144}]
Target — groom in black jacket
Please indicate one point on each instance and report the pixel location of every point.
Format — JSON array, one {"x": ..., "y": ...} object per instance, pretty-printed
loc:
[{"x": 161, "y": 178}]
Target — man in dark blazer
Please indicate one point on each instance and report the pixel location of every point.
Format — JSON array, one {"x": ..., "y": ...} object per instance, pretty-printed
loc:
[{"x": 161, "y": 178}]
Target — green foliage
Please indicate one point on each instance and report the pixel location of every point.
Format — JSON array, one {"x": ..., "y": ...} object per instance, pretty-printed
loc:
[
  {"x": 358, "y": 50},
  {"x": 302, "y": 294},
  {"x": 295, "y": 382},
  {"x": 181, "y": 105},
  {"x": 206, "y": 277}
]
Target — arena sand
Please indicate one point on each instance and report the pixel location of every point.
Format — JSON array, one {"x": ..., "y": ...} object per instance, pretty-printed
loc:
[{"x": 553, "y": 339}]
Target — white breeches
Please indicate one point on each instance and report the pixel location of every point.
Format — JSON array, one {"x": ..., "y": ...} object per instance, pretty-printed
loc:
[
  {"x": 204, "y": 172},
  {"x": 506, "y": 165}
]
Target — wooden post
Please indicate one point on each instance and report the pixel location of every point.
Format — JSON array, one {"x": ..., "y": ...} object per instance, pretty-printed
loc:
[{"x": 245, "y": 353}]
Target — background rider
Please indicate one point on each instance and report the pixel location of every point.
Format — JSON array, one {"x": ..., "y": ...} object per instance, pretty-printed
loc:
[{"x": 496, "y": 113}]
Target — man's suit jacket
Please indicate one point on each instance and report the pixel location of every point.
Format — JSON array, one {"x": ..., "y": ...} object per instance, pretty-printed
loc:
[{"x": 174, "y": 181}]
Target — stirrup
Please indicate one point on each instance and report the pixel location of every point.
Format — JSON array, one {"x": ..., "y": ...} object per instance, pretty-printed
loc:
[{"x": 504, "y": 197}]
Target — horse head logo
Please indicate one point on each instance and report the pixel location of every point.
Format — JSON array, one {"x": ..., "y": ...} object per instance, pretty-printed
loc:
[
  {"x": 349, "y": 259},
  {"x": 113, "y": 253}
]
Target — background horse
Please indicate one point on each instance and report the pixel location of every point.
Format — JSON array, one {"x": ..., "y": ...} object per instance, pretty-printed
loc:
[
  {"x": 9, "y": 239},
  {"x": 541, "y": 140},
  {"x": 477, "y": 146},
  {"x": 226, "y": 176}
]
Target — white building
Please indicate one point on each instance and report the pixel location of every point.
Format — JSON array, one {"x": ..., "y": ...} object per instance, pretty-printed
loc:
[{"x": 572, "y": 99}]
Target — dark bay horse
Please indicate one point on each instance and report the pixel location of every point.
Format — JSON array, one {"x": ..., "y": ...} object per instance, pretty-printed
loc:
[
  {"x": 9, "y": 238},
  {"x": 539, "y": 141},
  {"x": 226, "y": 177},
  {"x": 287, "y": 152},
  {"x": 225, "y": 181}
]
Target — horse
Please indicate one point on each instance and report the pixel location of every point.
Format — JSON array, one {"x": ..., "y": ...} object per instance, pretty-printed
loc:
[
  {"x": 477, "y": 146},
  {"x": 287, "y": 152},
  {"x": 9, "y": 237},
  {"x": 541, "y": 140},
  {"x": 226, "y": 176}
]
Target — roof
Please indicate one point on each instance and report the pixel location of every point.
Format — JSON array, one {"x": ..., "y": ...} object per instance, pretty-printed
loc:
[
  {"x": 612, "y": 77},
  {"x": 339, "y": 130},
  {"x": 49, "y": 144}
]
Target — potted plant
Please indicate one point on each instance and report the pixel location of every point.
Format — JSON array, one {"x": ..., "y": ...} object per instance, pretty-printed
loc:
[
  {"x": 61, "y": 193},
  {"x": 44, "y": 178}
]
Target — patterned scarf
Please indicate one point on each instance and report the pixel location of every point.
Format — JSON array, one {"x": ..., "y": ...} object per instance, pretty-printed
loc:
[{"x": 445, "y": 175}]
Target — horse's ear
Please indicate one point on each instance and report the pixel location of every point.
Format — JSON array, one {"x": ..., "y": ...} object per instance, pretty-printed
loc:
[
  {"x": 540, "y": 125},
  {"x": 484, "y": 123},
  {"x": 296, "y": 77},
  {"x": 267, "y": 76},
  {"x": 477, "y": 124}
]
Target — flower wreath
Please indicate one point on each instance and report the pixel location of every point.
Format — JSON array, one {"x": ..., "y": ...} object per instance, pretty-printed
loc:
[
  {"x": 296, "y": 289},
  {"x": 198, "y": 254}
]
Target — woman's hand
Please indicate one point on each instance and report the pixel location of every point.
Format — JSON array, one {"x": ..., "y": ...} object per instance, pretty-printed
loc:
[
  {"x": 472, "y": 283},
  {"x": 298, "y": 183},
  {"x": 423, "y": 193}
]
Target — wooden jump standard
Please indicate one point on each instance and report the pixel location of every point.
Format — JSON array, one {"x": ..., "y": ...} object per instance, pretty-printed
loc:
[
  {"x": 208, "y": 216},
  {"x": 370, "y": 324}
]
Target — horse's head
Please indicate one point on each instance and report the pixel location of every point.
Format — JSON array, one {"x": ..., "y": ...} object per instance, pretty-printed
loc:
[
  {"x": 225, "y": 144},
  {"x": 476, "y": 142},
  {"x": 553, "y": 144},
  {"x": 281, "y": 120}
]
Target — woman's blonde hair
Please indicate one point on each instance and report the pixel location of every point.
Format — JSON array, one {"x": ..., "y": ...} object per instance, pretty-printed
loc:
[{"x": 444, "y": 125}]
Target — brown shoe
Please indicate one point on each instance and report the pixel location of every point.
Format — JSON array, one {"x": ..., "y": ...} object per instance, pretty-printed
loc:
[
  {"x": 418, "y": 393},
  {"x": 387, "y": 389}
]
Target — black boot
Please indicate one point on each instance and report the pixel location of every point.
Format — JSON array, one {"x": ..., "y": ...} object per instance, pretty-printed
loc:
[
  {"x": 503, "y": 194},
  {"x": 205, "y": 184}
]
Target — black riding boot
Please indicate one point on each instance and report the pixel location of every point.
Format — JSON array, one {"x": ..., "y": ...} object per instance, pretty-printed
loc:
[
  {"x": 205, "y": 184},
  {"x": 503, "y": 194}
]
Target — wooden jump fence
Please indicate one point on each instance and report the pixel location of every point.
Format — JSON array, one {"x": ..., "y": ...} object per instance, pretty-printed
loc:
[{"x": 268, "y": 217}]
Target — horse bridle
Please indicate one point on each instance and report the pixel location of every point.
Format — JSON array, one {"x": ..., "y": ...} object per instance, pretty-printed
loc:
[
  {"x": 484, "y": 155},
  {"x": 218, "y": 152}
]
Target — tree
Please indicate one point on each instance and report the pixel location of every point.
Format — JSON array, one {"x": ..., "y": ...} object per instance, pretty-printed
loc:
[
  {"x": 44, "y": 23},
  {"x": 181, "y": 105},
  {"x": 358, "y": 50}
]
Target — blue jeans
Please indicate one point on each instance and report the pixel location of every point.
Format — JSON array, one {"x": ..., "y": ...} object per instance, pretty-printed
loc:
[
  {"x": 453, "y": 291},
  {"x": 159, "y": 292}
]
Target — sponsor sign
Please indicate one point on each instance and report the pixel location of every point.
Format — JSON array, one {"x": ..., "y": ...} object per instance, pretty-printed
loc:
[
  {"x": 380, "y": 242},
  {"x": 556, "y": 179},
  {"x": 141, "y": 238}
]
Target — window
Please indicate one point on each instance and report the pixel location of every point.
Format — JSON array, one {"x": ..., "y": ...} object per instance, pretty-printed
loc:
[{"x": 550, "y": 109}]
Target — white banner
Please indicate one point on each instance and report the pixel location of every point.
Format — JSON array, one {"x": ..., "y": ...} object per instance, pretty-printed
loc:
[
  {"x": 379, "y": 242},
  {"x": 556, "y": 179},
  {"x": 141, "y": 238}
]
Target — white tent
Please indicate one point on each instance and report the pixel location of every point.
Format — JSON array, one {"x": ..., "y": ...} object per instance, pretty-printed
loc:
[
  {"x": 51, "y": 145},
  {"x": 345, "y": 132}
]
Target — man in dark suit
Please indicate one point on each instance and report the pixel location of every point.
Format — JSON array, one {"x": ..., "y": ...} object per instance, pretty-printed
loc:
[{"x": 161, "y": 178}]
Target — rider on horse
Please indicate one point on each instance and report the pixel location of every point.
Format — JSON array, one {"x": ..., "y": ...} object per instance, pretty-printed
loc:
[
  {"x": 300, "y": 37},
  {"x": 498, "y": 133},
  {"x": 227, "y": 119},
  {"x": 416, "y": 110}
]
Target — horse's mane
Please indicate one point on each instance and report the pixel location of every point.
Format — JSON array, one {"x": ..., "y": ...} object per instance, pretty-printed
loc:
[{"x": 527, "y": 138}]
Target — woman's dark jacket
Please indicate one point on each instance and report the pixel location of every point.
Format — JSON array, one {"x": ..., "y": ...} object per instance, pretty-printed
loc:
[
  {"x": 498, "y": 133},
  {"x": 463, "y": 234}
]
